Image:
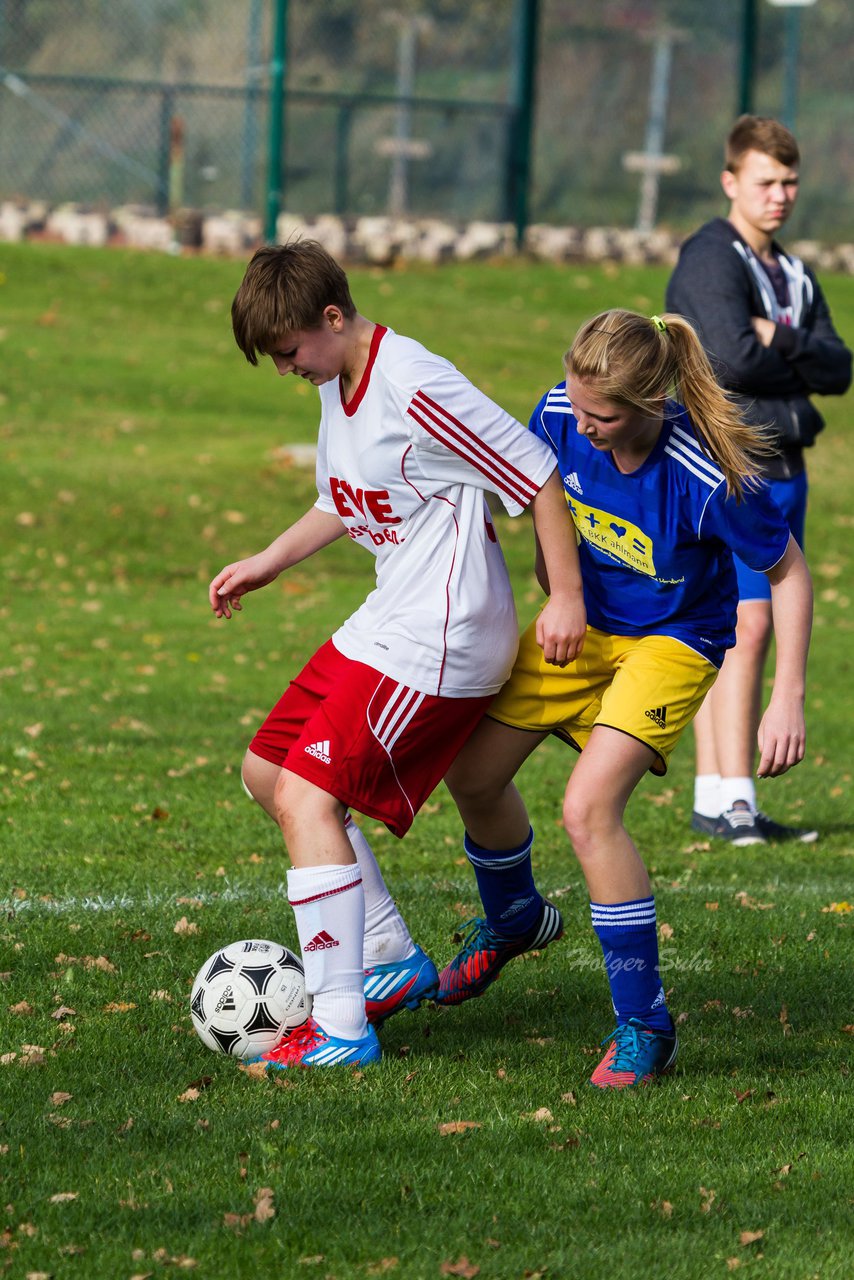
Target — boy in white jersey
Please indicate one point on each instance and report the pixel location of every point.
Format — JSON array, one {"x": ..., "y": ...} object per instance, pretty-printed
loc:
[{"x": 407, "y": 448}]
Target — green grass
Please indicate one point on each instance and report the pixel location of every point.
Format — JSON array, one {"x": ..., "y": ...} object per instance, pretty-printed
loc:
[{"x": 139, "y": 455}]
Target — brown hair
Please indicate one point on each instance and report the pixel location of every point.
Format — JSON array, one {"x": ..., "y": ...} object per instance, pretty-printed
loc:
[
  {"x": 637, "y": 362},
  {"x": 286, "y": 287},
  {"x": 760, "y": 133}
]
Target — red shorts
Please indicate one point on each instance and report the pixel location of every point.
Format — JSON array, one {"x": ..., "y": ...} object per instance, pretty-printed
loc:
[{"x": 376, "y": 745}]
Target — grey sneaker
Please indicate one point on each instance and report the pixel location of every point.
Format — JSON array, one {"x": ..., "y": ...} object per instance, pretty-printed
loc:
[
  {"x": 772, "y": 830},
  {"x": 739, "y": 825}
]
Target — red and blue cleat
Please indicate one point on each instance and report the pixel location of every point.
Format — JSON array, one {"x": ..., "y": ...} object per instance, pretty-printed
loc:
[
  {"x": 485, "y": 953},
  {"x": 636, "y": 1055},
  {"x": 308, "y": 1045},
  {"x": 399, "y": 984}
]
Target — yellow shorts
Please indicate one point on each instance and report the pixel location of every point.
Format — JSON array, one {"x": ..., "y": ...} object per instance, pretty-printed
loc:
[{"x": 649, "y": 687}]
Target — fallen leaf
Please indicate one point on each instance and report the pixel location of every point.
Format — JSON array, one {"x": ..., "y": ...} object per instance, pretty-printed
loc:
[
  {"x": 745, "y": 900},
  {"x": 458, "y": 1126},
  {"x": 62, "y": 1197},
  {"x": 59, "y": 1098},
  {"x": 185, "y": 926},
  {"x": 568, "y": 1144},
  {"x": 541, "y": 1115},
  {"x": 32, "y": 1055},
  {"x": 462, "y": 1267},
  {"x": 203, "y": 1082},
  {"x": 189, "y": 1095},
  {"x": 264, "y": 1207},
  {"x": 708, "y": 1195},
  {"x": 665, "y": 932},
  {"x": 380, "y": 1268},
  {"x": 750, "y": 1237},
  {"x": 712, "y": 906},
  {"x": 661, "y": 798},
  {"x": 255, "y": 1070},
  {"x": 119, "y": 1006},
  {"x": 22, "y": 1008},
  {"x": 838, "y": 908},
  {"x": 64, "y": 1011}
]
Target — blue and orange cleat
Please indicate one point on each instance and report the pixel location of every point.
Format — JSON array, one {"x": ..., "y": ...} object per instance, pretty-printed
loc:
[
  {"x": 308, "y": 1045},
  {"x": 399, "y": 984},
  {"x": 636, "y": 1055},
  {"x": 485, "y": 953}
]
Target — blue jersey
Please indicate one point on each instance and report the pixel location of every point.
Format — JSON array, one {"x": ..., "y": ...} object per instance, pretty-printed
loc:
[{"x": 656, "y": 545}]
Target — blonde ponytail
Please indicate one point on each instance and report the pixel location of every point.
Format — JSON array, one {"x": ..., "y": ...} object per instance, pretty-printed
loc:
[{"x": 638, "y": 360}]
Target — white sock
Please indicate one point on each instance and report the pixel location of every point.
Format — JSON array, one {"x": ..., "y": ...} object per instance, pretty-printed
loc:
[
  {"x": 329, "y": 908},
  {"x": 707, "y": 795},
  {"x": 386, "y": 935},
  {"x": 733, "y": 789}
]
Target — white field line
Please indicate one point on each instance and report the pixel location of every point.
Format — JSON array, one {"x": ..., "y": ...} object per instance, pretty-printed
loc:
[{"x": 149, "y": 901}]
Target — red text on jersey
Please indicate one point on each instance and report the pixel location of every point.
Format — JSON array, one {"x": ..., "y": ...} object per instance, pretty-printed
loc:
[{"x": 373, "y": 503}]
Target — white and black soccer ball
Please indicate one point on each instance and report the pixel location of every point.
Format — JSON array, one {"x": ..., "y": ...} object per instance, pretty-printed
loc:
[{"x": 247, "y": 995}]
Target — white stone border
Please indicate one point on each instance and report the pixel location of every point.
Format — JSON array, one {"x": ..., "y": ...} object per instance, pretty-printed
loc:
[{"x": 379, "y": 241}]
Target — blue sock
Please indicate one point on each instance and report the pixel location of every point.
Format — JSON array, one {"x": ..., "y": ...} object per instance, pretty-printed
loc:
[
  {"x": 505, "y": 879},
  {"x": 629, "y": 941}
]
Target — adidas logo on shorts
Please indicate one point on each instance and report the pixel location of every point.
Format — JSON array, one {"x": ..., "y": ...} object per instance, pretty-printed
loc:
[
  {"x": 659, "y": 715},
  {"x": 320, "y": 751}
]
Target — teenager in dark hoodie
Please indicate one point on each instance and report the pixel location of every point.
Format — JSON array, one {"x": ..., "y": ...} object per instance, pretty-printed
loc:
[{"x": 763, "y": 319}]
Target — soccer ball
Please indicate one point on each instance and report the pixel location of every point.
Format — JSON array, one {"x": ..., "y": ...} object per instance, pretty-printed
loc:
[{"x": 247, "y": 995}]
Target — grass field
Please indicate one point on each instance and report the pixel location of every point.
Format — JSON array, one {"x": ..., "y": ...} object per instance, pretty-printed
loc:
[{"x": 139, "y": 455}]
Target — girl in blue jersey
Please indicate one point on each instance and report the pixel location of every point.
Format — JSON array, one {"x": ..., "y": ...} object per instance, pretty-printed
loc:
[{"x": 662, "y": 492}]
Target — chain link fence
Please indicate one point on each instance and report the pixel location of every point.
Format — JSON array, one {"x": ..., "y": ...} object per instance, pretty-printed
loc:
[{"x": 409, "y": 108}]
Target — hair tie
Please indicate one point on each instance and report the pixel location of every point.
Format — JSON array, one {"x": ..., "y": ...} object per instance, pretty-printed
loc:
[{"x": 659, "y": 324}]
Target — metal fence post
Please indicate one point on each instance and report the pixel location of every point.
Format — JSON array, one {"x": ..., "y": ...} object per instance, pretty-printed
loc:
[
  {"x": 518, "y": 171},
  {"x": 747, "y": 66},
  {"x": 167, "y": 110},
  {"x": 275, "y": 169}
]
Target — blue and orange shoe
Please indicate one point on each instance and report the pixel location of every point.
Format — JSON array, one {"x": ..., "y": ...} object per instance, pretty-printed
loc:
[
  {"x": 308, "y": 1045},
  {"x": 636, "y": 1055},
  {"x": 399, "y": 984},
  {"x": 485, "y": 953}
]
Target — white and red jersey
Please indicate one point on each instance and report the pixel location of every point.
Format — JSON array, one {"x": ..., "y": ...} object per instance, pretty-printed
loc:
[{"x": 405, "y": 465}]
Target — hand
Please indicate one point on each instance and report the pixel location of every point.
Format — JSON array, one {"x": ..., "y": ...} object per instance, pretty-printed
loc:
[
  {"x": 233, "y": 582},
  {"x": 561, "y": 628},
  {"x": 764, "y": 329},
  {"x": 782, "y": 738}
]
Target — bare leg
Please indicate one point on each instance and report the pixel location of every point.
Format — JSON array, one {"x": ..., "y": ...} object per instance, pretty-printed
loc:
[
  {"x": 608, "y": 770},
  {"x": 726, "y": 725},
  {"x": 481, "y": 783},
  {"x": 387, "y": 938}
]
